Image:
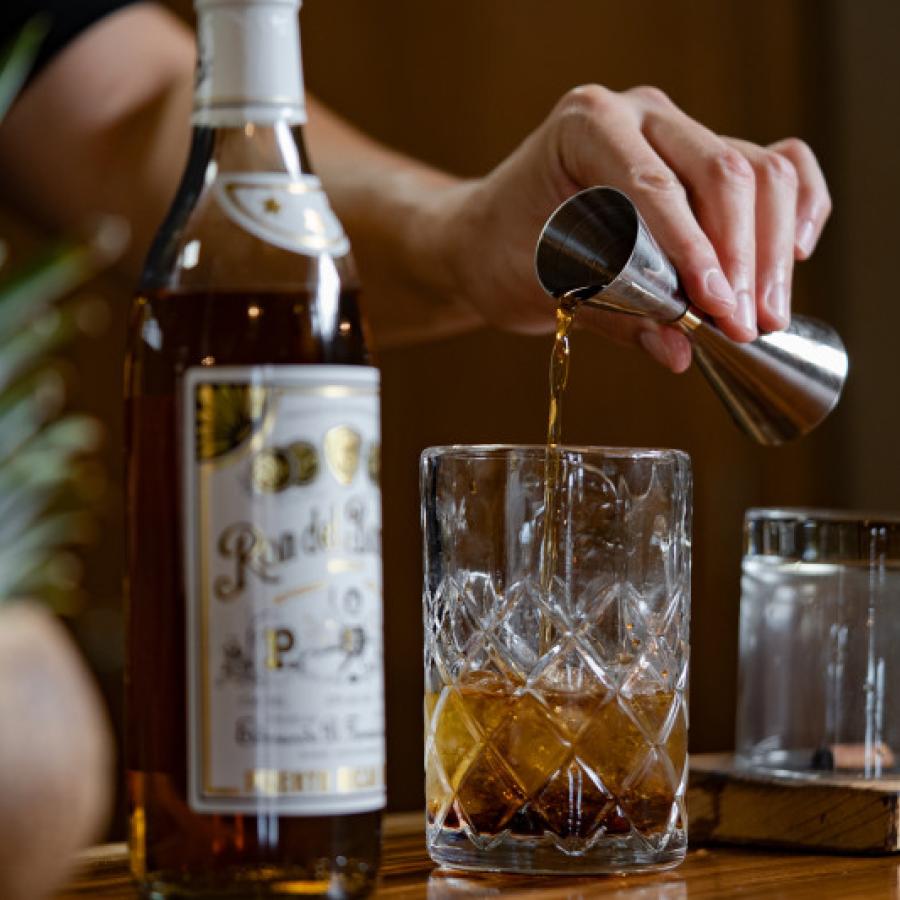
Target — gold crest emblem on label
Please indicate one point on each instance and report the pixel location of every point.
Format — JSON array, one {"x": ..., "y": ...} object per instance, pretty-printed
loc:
[
  {"x": 342, "y": 446},
  {"x": 226, "y": 415},
  {"x": 375, "y": 463},
  {"x": 270, "y": 471},
  {"x": 305, "y": 460}
]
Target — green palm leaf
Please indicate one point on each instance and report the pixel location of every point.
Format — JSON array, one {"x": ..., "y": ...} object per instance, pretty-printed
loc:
[
  {"x": 43, "y": 509},
  {"x": 17, "y": 59}
]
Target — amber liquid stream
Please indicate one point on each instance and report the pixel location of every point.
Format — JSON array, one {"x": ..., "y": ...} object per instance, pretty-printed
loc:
[{"x": 559, "y": 376}]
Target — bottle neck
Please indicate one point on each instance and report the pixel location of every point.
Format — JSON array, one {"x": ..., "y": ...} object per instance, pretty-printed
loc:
[
  {"x": 249, "y": 69},
  {"x": 276, "y": 148}
]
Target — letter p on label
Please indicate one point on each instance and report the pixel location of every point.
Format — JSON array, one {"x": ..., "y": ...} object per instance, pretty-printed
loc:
[{"x": 279, "y": 641}]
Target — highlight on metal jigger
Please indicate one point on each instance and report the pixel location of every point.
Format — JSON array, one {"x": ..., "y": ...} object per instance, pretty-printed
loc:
[{"x": 597, "y": 249}]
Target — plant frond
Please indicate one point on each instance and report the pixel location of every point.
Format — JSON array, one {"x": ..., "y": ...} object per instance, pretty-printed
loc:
[{"x": 18, "y": 57}]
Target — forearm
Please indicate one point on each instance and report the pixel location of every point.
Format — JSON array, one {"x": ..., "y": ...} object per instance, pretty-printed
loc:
[{"x": 395, "y": 210}]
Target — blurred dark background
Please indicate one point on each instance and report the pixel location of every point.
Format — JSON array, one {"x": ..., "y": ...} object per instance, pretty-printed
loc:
[{"x": 459, "y": 83}]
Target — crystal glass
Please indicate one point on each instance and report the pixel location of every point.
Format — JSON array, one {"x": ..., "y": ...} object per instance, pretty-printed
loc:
[
  {"x": 556, "y": 652},
  {"x": 819, "y": 639}
]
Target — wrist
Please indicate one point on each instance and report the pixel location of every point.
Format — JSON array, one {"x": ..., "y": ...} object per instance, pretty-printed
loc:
[
  {"x": 423, "y": 221},
  {"x": 442, "y": 237}
]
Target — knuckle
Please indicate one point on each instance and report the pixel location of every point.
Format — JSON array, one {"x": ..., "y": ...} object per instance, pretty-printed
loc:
[
  {"x": 797, "y": 148},
  {"x": 778, "y": 169},
  {"x": 588, "y": 100},
  {"x": 651, "y": 96},
  {"x": 732, "y": 168},
  {"x": 654, "y": 179},
  {"x": 691, "y": 252}
]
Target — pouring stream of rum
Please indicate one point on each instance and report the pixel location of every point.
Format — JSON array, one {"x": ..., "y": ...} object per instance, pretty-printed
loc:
[{"x": 559, "y": 375}]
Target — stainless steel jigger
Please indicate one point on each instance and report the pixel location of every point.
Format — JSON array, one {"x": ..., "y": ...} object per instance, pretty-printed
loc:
[{"x": 596, "y": 248}]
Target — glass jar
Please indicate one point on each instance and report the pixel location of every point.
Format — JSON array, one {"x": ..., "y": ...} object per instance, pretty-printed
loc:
[{"x": 820, "y": 642}]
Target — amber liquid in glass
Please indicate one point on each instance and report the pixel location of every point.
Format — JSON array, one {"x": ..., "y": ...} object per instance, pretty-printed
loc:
[
  {"x": 174, "y": 849},
  {"x": 510, "y": 759}
]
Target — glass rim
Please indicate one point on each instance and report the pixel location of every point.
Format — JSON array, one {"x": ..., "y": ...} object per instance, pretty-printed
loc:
[
  {"x": 493, "y": 451},
  {"x": 829, "y": 516},
  {"x": 810, "y": 535}
]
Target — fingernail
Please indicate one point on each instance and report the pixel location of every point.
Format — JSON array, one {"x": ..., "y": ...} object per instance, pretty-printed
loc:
[
  {"x": 717, "y": 287},
  {"x": 745, "y": 315},
  {"x": 655, "y": 346},
  {"x": 806, "y": 237},
  {"x": 777, "y": 301}
]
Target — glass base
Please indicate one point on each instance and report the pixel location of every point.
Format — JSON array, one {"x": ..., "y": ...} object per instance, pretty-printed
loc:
[{"x": 548, "y": 855}]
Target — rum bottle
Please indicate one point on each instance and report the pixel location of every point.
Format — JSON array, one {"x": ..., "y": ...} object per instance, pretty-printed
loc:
[{"x": 254, "y": 687}]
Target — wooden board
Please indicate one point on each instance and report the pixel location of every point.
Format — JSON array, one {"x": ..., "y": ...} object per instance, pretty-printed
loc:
[{"x": 830, "y": 813}]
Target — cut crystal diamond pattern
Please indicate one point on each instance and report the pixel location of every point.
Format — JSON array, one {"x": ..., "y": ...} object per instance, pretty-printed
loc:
[
  {"x": 573, "y": 805},
  {"x": 579, "y": 770},
  {"x": 560, "y": 717}
]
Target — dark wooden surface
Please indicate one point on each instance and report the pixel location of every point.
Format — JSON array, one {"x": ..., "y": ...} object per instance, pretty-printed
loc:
[{"x": 710, "y": 872}]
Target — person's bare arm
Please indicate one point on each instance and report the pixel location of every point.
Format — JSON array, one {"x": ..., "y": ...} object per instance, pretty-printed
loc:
[
  {"x": 400, "y": 214},
  {"x": 104, "y": 128}
]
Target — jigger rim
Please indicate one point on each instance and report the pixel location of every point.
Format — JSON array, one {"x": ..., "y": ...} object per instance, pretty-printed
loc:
[{"x": 596, "y": 288}]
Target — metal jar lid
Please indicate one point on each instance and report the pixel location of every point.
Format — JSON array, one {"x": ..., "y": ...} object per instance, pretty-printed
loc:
[{"x": 823, "y": 536}]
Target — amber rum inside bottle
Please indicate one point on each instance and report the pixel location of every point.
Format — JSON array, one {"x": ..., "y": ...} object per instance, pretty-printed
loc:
[{"x": 255, "y": 739}]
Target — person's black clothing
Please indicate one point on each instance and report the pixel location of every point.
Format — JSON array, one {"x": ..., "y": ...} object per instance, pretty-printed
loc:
[{"x": 66, "y": 20}]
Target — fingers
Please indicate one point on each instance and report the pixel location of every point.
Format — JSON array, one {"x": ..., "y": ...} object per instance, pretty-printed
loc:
[
  {"x": 777, "y": 186},
  {"x": 813, "y": 199},
  {"x": 601, "y": 143},
  {"x": 722, "y": 186},
  {"x": 668, "y": 346}
]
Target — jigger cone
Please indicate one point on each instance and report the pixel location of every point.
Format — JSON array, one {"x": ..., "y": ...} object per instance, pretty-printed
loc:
[{"x": 597, "y": 248}]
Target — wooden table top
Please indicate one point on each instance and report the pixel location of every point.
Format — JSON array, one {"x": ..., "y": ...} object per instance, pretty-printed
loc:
[{"x": 711, "y": 872}]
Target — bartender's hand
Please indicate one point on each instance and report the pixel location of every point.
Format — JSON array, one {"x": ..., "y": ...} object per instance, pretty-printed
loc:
[{"x": 732, "y": 216}]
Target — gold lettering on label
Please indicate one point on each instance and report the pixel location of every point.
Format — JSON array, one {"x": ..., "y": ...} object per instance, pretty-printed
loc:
[
  {"x": 300, "y": 591},
  {"x": 279, "y": 641},
  {"x": 357, "y": 778},
  {"x": 336, "y": 566},
  {"x": 342, "y": 445},
  {"x": 346, "y": 780},
  {"x": 352, "y": 640},
  {"x": 277, "y": 781}
]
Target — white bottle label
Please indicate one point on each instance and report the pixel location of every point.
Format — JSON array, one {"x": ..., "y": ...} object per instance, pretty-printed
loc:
[
  {"x": 283, "y": 589},
  {"x": 291, "y": 212}
]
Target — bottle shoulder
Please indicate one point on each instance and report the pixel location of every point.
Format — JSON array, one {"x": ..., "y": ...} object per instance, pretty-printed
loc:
[
  {"x": 249, "y": 214},
  {"x": 242, "y": 237}
]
